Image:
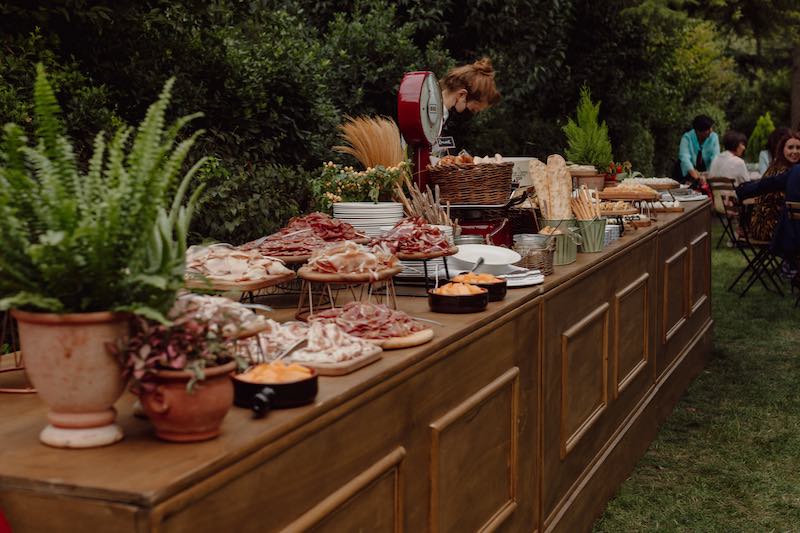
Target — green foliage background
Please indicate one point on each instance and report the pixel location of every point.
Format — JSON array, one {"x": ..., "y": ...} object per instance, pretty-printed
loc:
[{"x": 274, "y": 78}]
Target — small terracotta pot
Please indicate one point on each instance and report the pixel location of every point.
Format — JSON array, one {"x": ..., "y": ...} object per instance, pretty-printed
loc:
[
  {"x": 180, "y": 416},
  {"x": 67, "y": 360},
  {"x": 594, "y": 181}
]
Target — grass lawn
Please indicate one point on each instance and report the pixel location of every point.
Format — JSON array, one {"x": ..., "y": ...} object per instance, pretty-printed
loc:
[{"x": 728, "y": 458}]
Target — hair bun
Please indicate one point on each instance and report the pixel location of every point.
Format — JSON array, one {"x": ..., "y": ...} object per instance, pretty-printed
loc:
[{"x": 484, "y": 66}]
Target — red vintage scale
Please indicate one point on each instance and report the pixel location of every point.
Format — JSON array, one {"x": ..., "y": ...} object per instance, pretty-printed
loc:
[{"x": 420, "y": 116}]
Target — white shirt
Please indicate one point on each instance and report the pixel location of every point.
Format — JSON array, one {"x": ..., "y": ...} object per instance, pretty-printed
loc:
[
  {"x": 729, "y": 165},
  {"x": 764, "y": 159}
]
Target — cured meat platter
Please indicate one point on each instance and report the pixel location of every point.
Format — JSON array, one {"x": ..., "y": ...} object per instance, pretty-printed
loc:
[
  {"x": 309, "y": 274},
  {"x": 242, "y": 286}
]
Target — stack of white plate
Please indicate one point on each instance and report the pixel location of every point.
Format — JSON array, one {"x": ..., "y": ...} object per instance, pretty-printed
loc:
[
  {"x": 416, "y": 269},
  {"x": 368, "y": 217}
]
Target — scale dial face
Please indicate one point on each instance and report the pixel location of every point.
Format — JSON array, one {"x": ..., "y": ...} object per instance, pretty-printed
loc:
[
  {"x": 419, "y": 108},
  {"x": 430, "y": 109}
]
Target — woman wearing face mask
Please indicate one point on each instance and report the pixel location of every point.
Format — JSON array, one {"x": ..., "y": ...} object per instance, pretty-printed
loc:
[
  {"x": 469, "y": 89},
  {"x": 766, "y": 213}
]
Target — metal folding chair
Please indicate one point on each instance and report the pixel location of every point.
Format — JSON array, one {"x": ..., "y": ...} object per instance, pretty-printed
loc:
[
  {"x": 793, "y": 213},
  {"x": 761, "y": 265},
  {"x": 721, "y": 189}
]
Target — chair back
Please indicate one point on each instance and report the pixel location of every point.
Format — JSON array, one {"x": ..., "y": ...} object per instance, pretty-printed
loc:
[
  {"x": 793, "y": 210},
  {"x": 723, "y": 193}
]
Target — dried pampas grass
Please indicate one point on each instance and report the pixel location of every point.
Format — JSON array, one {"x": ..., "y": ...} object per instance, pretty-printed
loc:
[{"x": 372, "y": 140}]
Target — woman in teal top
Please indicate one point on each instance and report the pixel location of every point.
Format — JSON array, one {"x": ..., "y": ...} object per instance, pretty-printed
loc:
[{"x": 699, "y": 146}]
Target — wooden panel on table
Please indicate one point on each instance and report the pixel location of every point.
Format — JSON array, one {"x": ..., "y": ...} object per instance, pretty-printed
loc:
[
  {"x": 601, "y": 320},
  {"x": 28, "y": 512},
  {"x": 371, "y": 502},
  {"x": 584, "y": 376},
  {"x": 684, "y": 285},
  {"x": 631, "y": 332},
  {"x": 676, "y": 294},
  {"x": 474, "y": 466},
  {"x": 316, "y": 476},
  {"x": 700, "y": 272}
]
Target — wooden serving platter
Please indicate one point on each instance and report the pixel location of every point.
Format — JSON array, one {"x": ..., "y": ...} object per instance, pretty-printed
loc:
[
  {"x": 660, "y": 187},
  {"x": 431, "y": 255},
  {"x": 345, "y": 367},
  {"x": 583, "y": 173},
  {"x": 640, "y": 223},
  {"x": 613, "y": 194},
  {"x": 210, "y": 284},
  {"x": 620, "y": 212},
  {"x": 308, "y": 274},
  {"x": 249, "y": 332},
  {"x": 409, "y": 341},
  {"x": 667, "y": 209}
]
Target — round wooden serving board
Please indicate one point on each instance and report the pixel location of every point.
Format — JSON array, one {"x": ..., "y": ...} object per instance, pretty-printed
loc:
[
  {"x": 210, "y": 284},
  {"x": 430, "y": 255},
  {"x": 621, "y": 212},
  {"x": 661, "y": 187},
  {"x": 308, "y": 274},
  {"x": 613, "y": 194},
  {"x": 397, "y": 343}
]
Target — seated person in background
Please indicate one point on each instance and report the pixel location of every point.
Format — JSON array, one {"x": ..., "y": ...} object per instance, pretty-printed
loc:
[
  {"x": 699, "y": 146},
  {"x": 766, "y": 212},
  {"x": 729, "y": 164},
  {"x": 786, "y": 241},
  {"x": 765, "y": 157}
]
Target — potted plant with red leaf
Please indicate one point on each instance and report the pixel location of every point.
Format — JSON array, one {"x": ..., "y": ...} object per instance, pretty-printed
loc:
[{"x": 180, "y": 371}]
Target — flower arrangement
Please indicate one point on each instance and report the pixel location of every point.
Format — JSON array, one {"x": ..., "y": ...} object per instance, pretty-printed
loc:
[
  {"x": 188, "y": 343},
  {"x": 337, "y": 183},
  {"x": 621, "y": 171}
]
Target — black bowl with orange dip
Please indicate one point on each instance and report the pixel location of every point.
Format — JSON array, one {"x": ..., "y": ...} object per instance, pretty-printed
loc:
[{"x": 497, "y": 287}]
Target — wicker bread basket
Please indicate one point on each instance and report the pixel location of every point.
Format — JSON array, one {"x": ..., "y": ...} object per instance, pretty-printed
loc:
[
  {"x": 537, "y": 258},
  {"x": 482, "y": 184}
]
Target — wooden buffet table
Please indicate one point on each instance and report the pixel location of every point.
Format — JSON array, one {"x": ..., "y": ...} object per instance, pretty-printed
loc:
[{"x": 526, "y": 417}]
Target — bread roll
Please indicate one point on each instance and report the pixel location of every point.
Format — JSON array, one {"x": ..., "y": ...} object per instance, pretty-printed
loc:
[
  {"x": 538, "y": 174},
  {"x": 560, "y": 184}
]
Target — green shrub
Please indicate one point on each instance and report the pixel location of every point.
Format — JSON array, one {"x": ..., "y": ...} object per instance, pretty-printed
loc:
[
  {"x": 87, "y": 107},
  {"x": 758, "y": 139},
  {"x": 277, "y": 107},
  {"x": 367, "y": 51},
  {"x": 587, "y": 137},
  {"x": 240, "y": 204},
  {"x": 638, "y": 147}
]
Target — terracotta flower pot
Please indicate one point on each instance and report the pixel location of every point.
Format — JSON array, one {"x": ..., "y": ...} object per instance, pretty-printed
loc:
[
  {"x": 67, "y": 360},
  {"x": 592, "y": 181},
  {"x": 180, "y": 416}
]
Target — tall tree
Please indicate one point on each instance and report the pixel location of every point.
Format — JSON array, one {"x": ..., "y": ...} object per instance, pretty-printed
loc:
[{"x": 773, "y": 21}]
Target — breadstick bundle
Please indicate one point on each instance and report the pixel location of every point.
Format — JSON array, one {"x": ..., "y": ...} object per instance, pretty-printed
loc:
[{"x": 584, "y": 206}]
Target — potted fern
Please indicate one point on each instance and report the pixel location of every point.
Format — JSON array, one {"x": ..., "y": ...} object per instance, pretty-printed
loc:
[
  {"x": 85, "y": 249},
  {"x": 588, "y": 144}
]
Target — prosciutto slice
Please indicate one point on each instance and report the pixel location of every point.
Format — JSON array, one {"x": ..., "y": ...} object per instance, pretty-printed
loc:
[
  {"x": 223, "y": 262},
  {"x": 370, "y": 321},
  {"x": 414, "y": 235},
  {"x": 324, "y": 226},
  {"x": 351, "y": 258},
  {"x": 303, "y": 235},
  {"x": 328, "y": 343}
]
